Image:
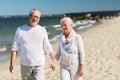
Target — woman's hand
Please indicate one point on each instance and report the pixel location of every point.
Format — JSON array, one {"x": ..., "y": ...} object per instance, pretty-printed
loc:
[
  {"x": 53, "y": 65},
  {"x": 81, "y": 70}
]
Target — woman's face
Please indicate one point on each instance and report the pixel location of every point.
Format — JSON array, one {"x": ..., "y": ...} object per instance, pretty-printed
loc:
[{"x": 66, "y": 27}]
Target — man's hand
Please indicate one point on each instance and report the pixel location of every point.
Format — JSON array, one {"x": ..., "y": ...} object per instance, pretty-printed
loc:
[
  {"x": 53, "y": 65},
  {"x": 11, "y": 68},
  {"x": 13, "y": 56}
]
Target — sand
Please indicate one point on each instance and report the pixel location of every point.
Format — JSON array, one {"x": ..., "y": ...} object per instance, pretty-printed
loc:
[{"x": 102, "y": 55}]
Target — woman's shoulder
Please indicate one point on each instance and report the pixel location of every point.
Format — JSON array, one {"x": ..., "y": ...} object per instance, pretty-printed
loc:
[
  {"x": 78, "y": 38},
  {"x": 78, "y": 35}
]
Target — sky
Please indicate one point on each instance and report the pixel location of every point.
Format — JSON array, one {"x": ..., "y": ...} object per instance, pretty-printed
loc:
[{"x": 22, "y": 7}]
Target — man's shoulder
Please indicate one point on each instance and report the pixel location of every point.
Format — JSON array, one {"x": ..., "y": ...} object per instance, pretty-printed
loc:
[
  {"x": 41, "y": 27},
  {"x": 22, "y": 27}
]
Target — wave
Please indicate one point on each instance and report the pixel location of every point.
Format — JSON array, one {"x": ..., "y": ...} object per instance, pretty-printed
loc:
[
  {"x": 83, "y": 27},
  {"x": 77, "y": 23},
  {"x": 92, "y": 21},
  {"x": 57, "y": 26},
  {"x": 3, "y": 48},
  {"x": 54, "y": 39}
]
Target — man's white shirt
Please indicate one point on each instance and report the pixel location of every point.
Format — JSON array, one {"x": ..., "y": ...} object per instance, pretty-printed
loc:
[{"x": 31, "y": 43}]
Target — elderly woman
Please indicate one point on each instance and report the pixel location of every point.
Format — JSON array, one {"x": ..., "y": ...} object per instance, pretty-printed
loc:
[{"x": 70, "y": 52}]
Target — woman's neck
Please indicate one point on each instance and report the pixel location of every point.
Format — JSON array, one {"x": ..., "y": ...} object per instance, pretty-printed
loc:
[{"x": 66, "y": 35}]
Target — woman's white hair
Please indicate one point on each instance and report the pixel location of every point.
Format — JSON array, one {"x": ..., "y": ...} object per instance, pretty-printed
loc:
[{"x": 66, "y": 19}]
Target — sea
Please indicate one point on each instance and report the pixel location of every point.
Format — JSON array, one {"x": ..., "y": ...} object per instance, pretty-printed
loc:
[{"x": 9, "y": 24}]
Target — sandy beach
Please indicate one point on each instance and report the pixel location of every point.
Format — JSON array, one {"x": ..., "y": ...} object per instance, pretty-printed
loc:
[{"x": 102, "y": 55}]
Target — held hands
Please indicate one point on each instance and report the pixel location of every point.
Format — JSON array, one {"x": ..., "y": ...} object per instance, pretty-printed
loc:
[{"x": 53, "y": 64}]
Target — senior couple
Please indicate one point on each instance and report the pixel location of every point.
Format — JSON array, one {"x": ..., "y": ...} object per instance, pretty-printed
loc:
[{"x": 31, "y": 40}]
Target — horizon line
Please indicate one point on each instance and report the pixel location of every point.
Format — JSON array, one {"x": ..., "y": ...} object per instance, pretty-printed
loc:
[{"x": 24, "y": 15}]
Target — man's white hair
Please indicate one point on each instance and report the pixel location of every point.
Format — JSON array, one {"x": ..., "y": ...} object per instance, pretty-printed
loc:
[
  {"x": 34, "y": 9},
  {"x": 66, "y": 19}
]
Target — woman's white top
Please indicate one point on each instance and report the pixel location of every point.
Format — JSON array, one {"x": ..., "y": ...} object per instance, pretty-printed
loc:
[{"x": 72, "y": 55}]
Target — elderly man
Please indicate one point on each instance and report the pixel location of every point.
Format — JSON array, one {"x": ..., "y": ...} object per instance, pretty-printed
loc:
[
  {"x": 31, "y": 39},
  {"x": 70, "y": 51}
]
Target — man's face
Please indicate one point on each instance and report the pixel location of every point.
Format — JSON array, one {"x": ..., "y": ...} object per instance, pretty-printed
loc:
[
  {"x": 66, "y": 27},
  {"x": 34, "y": 18}
]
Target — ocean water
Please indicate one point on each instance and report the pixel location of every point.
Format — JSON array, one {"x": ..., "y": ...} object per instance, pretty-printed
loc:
[{"x": 8, "y": 26}]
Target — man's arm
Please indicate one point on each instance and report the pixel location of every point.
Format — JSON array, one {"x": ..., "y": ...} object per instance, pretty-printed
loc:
[
  {"x": 13, "y": 56},
  {"x": 53, "y": 64}
]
